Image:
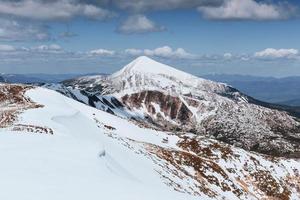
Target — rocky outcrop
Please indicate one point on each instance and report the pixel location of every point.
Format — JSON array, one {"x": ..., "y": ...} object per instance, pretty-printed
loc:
[{"x": 160, "y": 106}]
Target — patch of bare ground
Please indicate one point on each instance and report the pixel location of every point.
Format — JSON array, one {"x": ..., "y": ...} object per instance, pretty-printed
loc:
[
  {"x": 12, "y": 103},
  {"x": 32, "y": 129},
  {"x": 254, "y": 174},
  {"x": 209, "y": 151},
  {"x": 294, "y": 182},
  {"x": 205, "y": 172},
  {"x": 265, "y": 182}
]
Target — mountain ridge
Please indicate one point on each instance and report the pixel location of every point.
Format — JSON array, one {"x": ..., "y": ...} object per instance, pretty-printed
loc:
[{"x": 165, "y": 102}]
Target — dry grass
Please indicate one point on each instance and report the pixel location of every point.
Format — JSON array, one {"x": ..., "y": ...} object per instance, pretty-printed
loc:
[{"x": 12, "y": 103}]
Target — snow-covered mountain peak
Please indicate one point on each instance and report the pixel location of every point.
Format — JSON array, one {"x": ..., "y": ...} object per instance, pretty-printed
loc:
[
  {"x": 146, "y": 65},
  {"x": 145, "y": 73}
]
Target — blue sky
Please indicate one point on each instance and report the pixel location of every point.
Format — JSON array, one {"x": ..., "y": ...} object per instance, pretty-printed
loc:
[{"x": 199, "y": 36}]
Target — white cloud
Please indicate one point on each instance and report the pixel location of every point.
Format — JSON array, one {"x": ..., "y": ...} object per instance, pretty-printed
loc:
[
  {"x": 227, "y": 56},
  {"x": 52, "y": 10},
  {"x": 52, "y": 48},
  {"x": 45, "y": 48},
  {"x": 149, "y": 5},
  {"x": 139, "y": 24},
  {"x": 164, "y": 52},
  {"x": 6, "y": 48},
  {"x": 101, "y": 52},
  {"x": 246, "y": 10},
  {"x": 12, "y": 30},
  {"x": 168, "y": 52},
  {"x": 277, "y": 53}
]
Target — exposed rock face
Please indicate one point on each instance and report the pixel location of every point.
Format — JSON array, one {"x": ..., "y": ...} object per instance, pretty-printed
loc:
[
  {"x": 158, "y": 104},
  {"x": 162, "y": 97}
]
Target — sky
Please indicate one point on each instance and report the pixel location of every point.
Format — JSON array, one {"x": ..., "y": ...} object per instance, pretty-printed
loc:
[{"x": 248, "y": 37}]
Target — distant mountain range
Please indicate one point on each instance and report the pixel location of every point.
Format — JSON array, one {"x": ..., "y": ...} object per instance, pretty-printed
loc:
[
  {"x": 285, "y": 91},
  {"x": 37, "y": 78}
]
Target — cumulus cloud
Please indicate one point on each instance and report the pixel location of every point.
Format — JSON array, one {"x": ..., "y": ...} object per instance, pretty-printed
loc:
[
  {"x": 12, "y": 30},
  {"x": 164, "y": 52},
  {"x": 246, "y": 10},
  {"x": 47, "y": 48},
  {"x": 227, "y": 56},
  {"x": 9, "y": 53},
  {"x": 6, "y": 48},
  {"x": 52, "y": 49},
  {"x": 52, "y": 10},
  {"x": 277, "y": 53},
  {"x": 146, "y": 5},
  {"x": 138, "y": 24},
  {"x": 101, "y": 52},
  {"x": 25, "y": 16},
  {"x": 55, "y": 52}
]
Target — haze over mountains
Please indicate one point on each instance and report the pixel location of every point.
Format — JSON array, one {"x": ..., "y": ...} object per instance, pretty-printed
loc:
[
  {"x": 37, "y": 78},
  {"x": 147, "y": 131},
  {"x": 283, "y": 91}
]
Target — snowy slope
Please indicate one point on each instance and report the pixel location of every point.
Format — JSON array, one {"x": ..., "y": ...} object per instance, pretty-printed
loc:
[
  {"x": 67, "y": 150},
  {"x": 159, "y": 96},
  {"x": 78, "y": 161}
]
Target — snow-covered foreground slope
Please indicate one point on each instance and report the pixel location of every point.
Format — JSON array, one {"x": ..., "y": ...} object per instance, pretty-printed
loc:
[
  {"x": 58, "y": 148},
  {"x": 159, "y": 96},
  {"x": 79, "y": 161}
]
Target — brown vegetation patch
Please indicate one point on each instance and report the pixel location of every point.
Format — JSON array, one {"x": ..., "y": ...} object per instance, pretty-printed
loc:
[
  {"x": 194, "y": 145},
  {"x": 13, "y": 102},
  {"x": 206, "y": 172},
  {"x": 294, "y": 182},
  {"x": 266, "y": 183}
]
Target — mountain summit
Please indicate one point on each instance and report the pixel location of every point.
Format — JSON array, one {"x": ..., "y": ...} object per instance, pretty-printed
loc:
[
  {"x": 144, "y": 64},
  {"x": 145, "y": 73}
]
